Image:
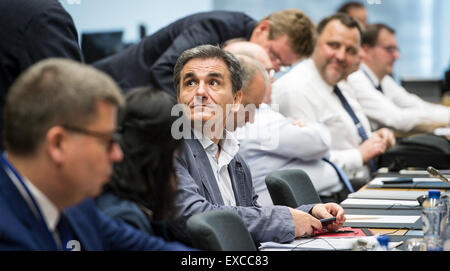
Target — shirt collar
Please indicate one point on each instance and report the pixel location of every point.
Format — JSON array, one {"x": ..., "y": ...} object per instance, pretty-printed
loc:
[
  {"x": 229, "y": 144},
  {"x": 48, "y": 209},
  {"x": 315, "y": 75}
]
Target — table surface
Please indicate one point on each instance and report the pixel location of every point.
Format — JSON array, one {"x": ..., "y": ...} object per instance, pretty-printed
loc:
[{"x": 394, "y": 232}]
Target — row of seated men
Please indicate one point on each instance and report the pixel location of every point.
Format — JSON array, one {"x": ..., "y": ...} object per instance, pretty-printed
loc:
[{"x": 51, "y": 160}]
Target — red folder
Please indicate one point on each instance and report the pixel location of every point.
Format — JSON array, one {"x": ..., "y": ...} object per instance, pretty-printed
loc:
[{"x": 342, "y": 232}]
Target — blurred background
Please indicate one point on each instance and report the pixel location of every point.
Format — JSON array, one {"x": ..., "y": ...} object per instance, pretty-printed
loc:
[{"x": 422, "y": 26}]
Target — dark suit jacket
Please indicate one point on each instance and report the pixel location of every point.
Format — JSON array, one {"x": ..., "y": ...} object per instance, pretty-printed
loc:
[
  {"x": 198, "y": 192},
  {"x": 31, "y": 31},
  {"x": 21, "y": 230},
  {"x": 151, "y": 61}
]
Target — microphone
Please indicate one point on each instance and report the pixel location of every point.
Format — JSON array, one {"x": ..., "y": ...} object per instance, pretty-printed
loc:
[{"x": 435, "y": 173}]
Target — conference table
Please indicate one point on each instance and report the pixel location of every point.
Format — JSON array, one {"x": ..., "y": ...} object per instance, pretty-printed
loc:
[
  {"x": 395, "y": 233},
  {"x": 399, "y": 233}
]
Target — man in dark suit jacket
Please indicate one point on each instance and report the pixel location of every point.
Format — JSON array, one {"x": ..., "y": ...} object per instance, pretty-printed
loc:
[
  {"x": 32, "y": 31},
  {"x": 211, "y": 175},
  {"x": 285, "y": 35},
  {"x": 59, "y": 152}
]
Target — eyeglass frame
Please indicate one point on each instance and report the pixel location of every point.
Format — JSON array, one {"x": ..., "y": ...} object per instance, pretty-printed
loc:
[
  {"x": 389, "y": 49},
  {"x": 114, "y": 137}
]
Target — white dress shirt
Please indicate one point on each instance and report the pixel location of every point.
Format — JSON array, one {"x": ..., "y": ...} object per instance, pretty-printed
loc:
[
  {"x": 273, "y": 143},
  {"x": 229, "y": 148},
  {"x": 395, "y": 107},
  {"x": 304, "y": 95}
]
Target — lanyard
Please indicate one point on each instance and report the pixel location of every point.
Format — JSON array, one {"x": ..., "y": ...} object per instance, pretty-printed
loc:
[
  {"x": 370, "y": 78},
  {"x": 10, "y": 167}
]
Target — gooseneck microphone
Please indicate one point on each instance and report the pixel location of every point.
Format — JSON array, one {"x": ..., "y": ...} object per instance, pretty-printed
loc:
[{"x": 435, "y": 173}]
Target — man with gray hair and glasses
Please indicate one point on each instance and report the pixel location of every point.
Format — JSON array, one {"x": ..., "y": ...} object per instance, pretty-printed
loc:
[
  {"x": 211, "y": 174},
  {"x": 60, "y": 122}
]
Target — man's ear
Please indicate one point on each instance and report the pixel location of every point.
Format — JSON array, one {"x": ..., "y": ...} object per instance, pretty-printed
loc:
[
  {"x": 261, "y": 29},
  {"x": 237, "y": 100},
  {"x": 365, "y": 49},
  {"x": 56, "y": 144}
]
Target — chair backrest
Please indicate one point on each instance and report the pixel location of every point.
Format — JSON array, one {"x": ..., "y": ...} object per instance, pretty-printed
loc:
[
  {"x": 221, "y": 230},
  {"x": 291, "y": 187}
]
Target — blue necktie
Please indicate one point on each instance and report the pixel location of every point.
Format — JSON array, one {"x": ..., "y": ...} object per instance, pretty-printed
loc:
[
  {"x": 341, "y": 174},
  {"x": 359, "y": 126},
  {"x": 65, "y": 233}
]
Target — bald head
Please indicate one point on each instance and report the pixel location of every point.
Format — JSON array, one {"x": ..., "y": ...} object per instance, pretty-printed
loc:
[
  {"x": 257, "y": 52},
  {"x": 250, "y": 49}
]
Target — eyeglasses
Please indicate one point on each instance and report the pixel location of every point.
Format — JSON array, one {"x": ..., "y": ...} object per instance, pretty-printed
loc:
[
  {"x": 108, "y": 138},
  {"x": 390, "y": 49}
]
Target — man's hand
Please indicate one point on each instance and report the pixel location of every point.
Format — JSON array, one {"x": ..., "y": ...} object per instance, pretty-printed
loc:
[
  {"x": 328, "y": 210},
  {"x": 387, "y": 136},
  {"x": 305, "y": 224},
  {"x": 371, "y": 148}
]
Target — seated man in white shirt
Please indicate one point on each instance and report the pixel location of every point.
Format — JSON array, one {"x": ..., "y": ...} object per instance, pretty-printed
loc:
[
  {"x": 309, "y": 92},
  {"x": 271, "y": 142},
  {"x": 384, "y": 101}
]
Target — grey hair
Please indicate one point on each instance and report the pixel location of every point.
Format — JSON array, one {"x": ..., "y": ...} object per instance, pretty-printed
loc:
[
  {"x": 250, "y": 68},
  {"x": 205, "y": 52},
  {"x": 53, "y": 92}
]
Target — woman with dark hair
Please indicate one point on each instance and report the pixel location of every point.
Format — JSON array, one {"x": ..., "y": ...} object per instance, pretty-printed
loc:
[{"x": 142, "y": 187}]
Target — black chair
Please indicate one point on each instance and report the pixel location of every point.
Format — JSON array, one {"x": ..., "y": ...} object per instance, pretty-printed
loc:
[
  {"x": 221, "y": 230},
  {"x": 291, "y": 187}
]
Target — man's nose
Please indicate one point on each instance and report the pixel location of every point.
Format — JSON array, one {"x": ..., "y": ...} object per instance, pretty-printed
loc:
[
  {"x": 340, "y": 54},
  {"x": 116, "y": 154},
  {"x": 201, "y": 89}
]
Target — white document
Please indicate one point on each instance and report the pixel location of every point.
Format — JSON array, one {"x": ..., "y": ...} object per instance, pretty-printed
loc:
[
  {"x": 387, "y": 194},
  {"x": 321, "y": 243},
  {"x": 382, "y": 219},
  {"x": 378, "y": 202}
]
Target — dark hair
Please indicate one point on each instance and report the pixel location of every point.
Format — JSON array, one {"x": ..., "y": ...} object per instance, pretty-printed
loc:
[
  {"x": 146, "y": 174},
  {"x": 347, "y": 6},
  {"x": 345, "y": 19},
  {"x": 209, "y": 51},
  {"x": 371, "y": 33}
]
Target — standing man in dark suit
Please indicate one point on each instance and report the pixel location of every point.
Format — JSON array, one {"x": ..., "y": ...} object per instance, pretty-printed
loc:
[
  {"x": 285, "y": 35},
  {"x": 60, "y": 120},
  {"x": 211, "y": 174},
  {"x": 31, "y": 31}
]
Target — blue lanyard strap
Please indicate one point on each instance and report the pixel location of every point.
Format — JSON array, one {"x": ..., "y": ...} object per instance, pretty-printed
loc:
[
  {"x": 370, "y": 79},
  {"x": 11, "y": 168}
]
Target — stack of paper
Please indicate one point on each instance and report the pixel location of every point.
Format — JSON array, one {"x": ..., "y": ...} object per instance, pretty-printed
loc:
[
  {"x": 383, "y": 221},
  {"x": 380, "y": 204},
  {"x": 345, "y": 243},
  {"x": 387, "y": 194}
]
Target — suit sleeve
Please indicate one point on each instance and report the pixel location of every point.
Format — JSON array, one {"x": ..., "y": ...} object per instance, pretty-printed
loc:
[
  {"x": 51, "y": 33},
  {"x": 205, "y": 32},
  {"x": 265, "y": 224}
]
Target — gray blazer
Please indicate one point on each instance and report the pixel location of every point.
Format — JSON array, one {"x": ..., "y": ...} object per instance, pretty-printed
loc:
[{"x": 198, "y": 192}]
